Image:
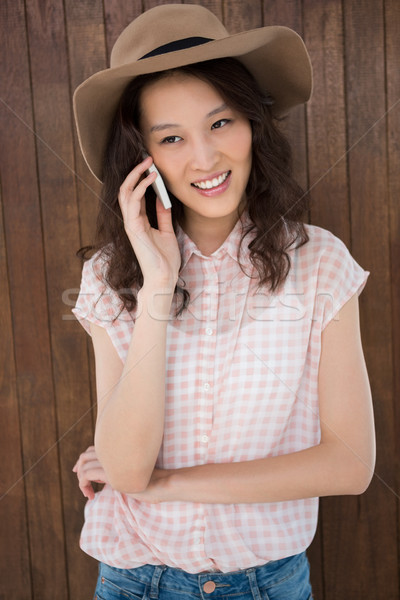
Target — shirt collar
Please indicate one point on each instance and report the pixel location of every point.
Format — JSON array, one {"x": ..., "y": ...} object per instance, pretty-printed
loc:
[{"x": 229, "y": 246}]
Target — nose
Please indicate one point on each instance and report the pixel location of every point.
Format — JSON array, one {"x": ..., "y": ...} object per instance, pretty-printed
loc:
[{"x": 203, "y": 154}]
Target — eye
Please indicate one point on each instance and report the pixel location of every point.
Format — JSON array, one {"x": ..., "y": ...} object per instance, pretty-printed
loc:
[
  {"x": 171, "y": 139},
  {"x": 220, "y": 123}
]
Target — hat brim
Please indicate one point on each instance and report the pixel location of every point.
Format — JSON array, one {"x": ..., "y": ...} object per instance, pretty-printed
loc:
[{"x": 276, "y": 56}]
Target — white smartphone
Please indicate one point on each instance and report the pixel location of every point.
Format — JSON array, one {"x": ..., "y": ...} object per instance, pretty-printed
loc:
[{"x": 159, "y": 186}]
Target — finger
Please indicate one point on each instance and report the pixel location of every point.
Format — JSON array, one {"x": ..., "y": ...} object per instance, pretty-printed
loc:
[
  {"x": 90, "y": 451},
  {"x": 83, "y": 483},
  {"x": 96, "y": 472},
  {"x": 93, "y": 473},
  {"x": 89, "y": 467},
  {"x": 92, "y": 462},
  {"x": 164, "y": 217},
  {"x": 133, "y": 177},
  {"x": 133, "y": 199},
  {"x": 139, "y": 188},
  {"x": 87, "y": 456},
  {"x": 87, "y": 491},
  {"x": 85, "y": 479}
]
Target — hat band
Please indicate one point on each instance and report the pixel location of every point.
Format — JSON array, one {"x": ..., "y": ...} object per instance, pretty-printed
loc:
[{"x": 183, "y": 44}]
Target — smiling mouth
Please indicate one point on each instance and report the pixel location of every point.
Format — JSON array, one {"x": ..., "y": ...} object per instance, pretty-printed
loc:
[{"x": 209, "y": 184}]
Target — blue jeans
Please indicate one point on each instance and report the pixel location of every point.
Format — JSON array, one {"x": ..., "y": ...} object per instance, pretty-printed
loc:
[{"x": 285, "y": 579}]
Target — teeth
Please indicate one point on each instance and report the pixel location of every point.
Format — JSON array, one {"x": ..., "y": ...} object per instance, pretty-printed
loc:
[{"x": 212, "y": 183}]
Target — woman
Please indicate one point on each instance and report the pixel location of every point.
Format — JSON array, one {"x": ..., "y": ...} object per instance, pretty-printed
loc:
[{"x": 231, "y": 383}]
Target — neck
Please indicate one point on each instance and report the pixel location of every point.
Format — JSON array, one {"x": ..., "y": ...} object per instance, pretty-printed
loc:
[{"x": 208, "y": 234}]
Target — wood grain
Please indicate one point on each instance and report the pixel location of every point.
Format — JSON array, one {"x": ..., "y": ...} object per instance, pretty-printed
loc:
[
  {"x": 326, "y": 118},
  {"x": 117, "y": 16},
  {"x": 15, "y": 575},
  {"x": 27, "y": 276},
  {"x": 236, "y": 19},
  {"x": 392, "y": 39},
  {"x": 216, "y": 6},
  {"x": 60, "y": 218},
  {"x": 86, "y": 55},
  {"x": 294, "y": 125}
]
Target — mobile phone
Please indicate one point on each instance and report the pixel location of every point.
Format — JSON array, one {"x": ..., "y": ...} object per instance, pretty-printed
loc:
[{"x": 159, "y": 186}]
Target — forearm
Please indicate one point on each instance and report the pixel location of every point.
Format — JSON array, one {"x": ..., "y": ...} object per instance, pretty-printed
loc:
[
  {"x": 323, "y": 470},
  {"x": 343, "y": 463},
  {"x": 130, "y": 423}
]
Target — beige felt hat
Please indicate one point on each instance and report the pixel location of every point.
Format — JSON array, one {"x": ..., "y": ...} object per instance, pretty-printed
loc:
[{"x": 173, "y": 35}]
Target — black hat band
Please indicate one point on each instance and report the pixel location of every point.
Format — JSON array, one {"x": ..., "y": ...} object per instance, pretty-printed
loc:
[{"x": 183, "y": 44}]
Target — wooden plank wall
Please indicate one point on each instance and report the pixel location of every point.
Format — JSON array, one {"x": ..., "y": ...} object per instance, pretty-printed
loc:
[{"x": 346, "y": 145}]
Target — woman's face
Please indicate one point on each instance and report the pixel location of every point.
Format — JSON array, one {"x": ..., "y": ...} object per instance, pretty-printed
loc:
[{"x": 201, "y": 147}]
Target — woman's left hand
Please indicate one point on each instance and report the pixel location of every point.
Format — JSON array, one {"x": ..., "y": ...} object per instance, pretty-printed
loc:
[{"x": 88, "y": 468}]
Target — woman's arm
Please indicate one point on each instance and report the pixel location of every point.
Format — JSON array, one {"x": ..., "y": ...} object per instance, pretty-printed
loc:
[
  {"x": 343, "y": 463},
  {"x": 130, "y": 420}
]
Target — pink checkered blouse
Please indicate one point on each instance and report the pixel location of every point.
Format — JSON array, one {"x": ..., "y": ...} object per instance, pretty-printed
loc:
[{"x": 241, "y": 384}]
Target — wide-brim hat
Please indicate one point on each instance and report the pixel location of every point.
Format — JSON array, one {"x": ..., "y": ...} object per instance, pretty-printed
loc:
[{"x": 174, "y": 35}]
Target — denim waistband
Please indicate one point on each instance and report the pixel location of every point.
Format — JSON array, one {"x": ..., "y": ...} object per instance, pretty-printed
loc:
[{"x": 209, "y": 585}]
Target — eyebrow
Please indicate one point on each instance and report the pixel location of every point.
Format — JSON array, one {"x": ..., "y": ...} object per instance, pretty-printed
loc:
[{"x": 163, "y": 126}]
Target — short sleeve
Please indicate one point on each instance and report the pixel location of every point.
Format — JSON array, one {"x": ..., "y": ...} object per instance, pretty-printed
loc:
[
  {"x": 97, "y": 303},
  {"x": 339, "y": 278}
]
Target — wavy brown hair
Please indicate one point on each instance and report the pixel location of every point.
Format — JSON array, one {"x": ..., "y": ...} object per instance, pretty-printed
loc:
[{"x": 275, "y": 202}]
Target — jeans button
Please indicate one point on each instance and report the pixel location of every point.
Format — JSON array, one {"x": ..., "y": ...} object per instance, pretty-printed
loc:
[{"x": 209, "y": 587}]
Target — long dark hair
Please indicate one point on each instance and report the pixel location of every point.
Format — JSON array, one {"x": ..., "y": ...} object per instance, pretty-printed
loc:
[{"x": 275, "y": 202}]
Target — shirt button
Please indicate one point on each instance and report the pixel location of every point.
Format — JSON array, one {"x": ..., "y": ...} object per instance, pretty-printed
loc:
[
  {"x": 209, "y": 331},
  {"x": 207, "y": 386},
  {"x": 204, "y": 439}
]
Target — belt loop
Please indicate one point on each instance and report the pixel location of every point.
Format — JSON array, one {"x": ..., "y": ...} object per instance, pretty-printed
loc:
[
  {"x": 155, "y": 582},
  {"x": 255, "y": 590}
]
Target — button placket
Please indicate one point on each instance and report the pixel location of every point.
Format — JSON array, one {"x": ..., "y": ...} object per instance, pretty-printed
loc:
[{"x": 209, "y": 314}]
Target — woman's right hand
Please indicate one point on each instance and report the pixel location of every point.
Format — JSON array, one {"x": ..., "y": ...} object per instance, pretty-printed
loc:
[{"x": 157, "y": 250}]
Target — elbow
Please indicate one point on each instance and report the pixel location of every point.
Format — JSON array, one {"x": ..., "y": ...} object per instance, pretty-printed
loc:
[
  {"x": 360, "y": 476},
  {"x": 357, "y": 486},
  {"x": 131, "y": 483},
  {"x": 120, "y": 474},
  {"x": 361, "y": 481},
  {"x": 351, "y": 467},
  {"x": 126, "y": 481}
]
